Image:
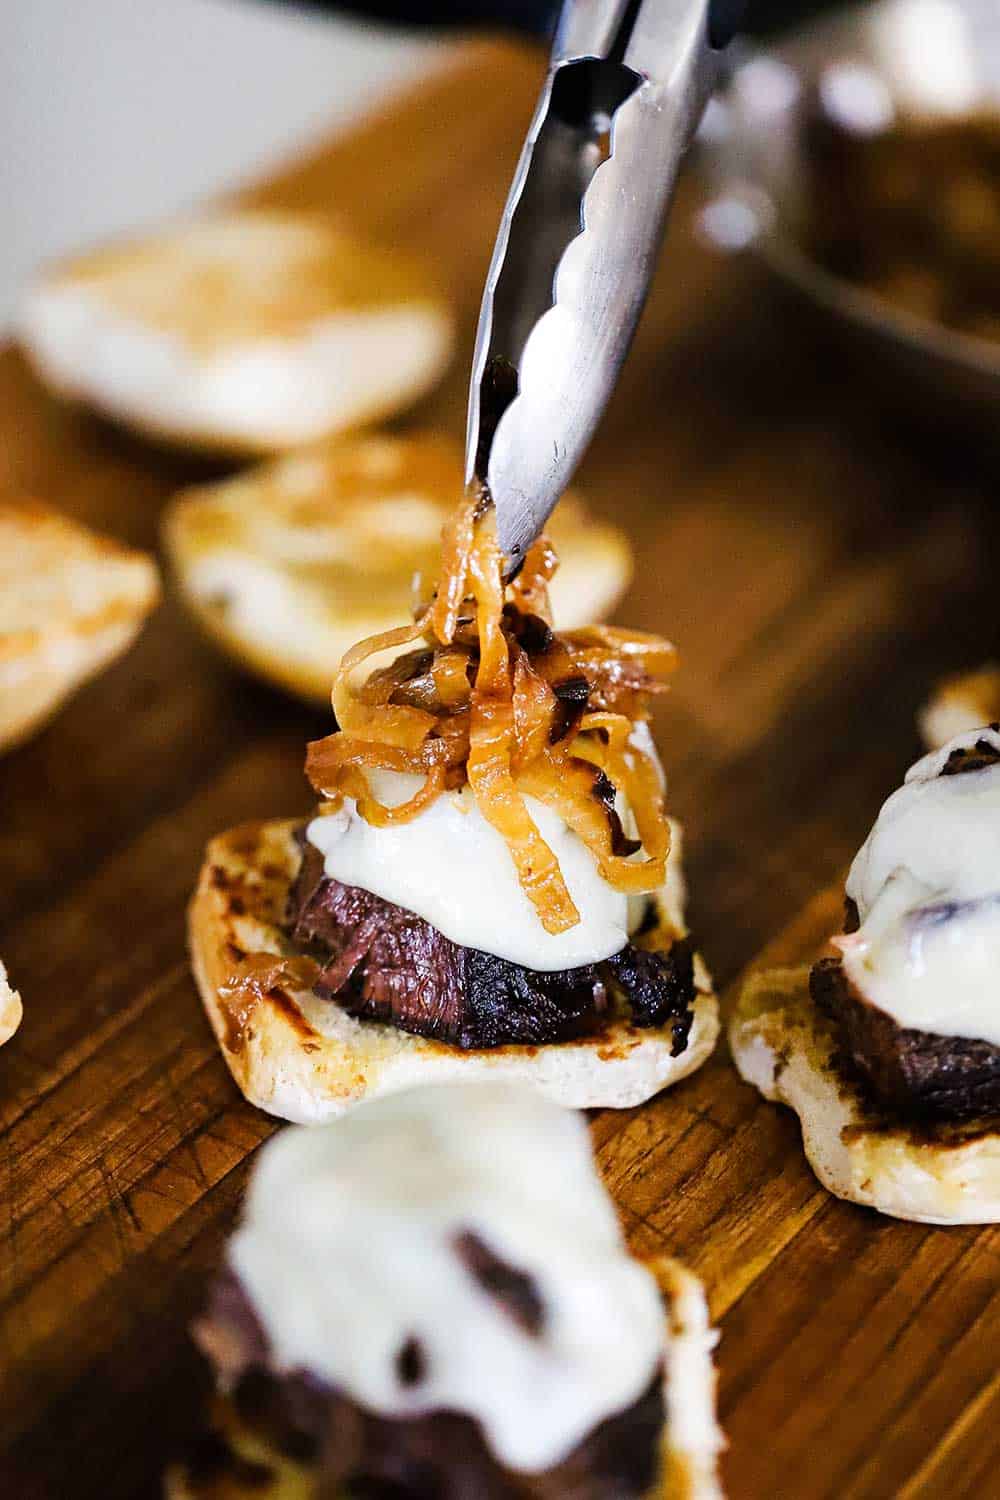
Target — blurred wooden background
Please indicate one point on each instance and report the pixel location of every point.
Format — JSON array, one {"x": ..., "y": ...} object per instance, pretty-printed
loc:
[{"x": 817, "y": 559}]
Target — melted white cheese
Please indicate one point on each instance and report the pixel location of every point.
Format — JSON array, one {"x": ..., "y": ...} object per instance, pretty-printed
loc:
[
  {"x": 927, "y": 886},
  {"x": 347, "y": 1251},
  {"x": 452, "y": 867}
]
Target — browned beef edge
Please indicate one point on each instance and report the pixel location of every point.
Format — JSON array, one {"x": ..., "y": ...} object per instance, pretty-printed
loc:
[{"x": 913, "y": 1072}]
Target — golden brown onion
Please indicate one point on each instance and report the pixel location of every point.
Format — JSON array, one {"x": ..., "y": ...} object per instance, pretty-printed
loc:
[{"x": 478, "y": 700}]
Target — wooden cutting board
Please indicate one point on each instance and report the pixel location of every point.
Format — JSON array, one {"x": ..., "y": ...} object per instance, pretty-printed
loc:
[{"x": 818, "y": 565}]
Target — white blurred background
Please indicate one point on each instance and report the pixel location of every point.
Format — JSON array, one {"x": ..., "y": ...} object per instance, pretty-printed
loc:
[{"x": 115, "y": 113}]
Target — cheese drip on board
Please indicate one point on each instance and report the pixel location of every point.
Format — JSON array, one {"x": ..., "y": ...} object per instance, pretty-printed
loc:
[
  {"x": 927, "y": 887},
  {"x": 350, "y": 1251}
]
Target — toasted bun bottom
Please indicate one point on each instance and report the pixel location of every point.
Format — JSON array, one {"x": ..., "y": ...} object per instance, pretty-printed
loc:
[
  {"x": 10, "y": 1008},
  {"x": 934, "y": 1173},
  {"x": 246, "y": 1468},
  {"x": 959, "y": 704},
  {"x": 306, "y": 1060}
]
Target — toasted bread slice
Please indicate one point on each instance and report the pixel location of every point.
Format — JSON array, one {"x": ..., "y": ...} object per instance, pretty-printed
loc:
[
  {"x": 959, "y": 704},
  {"x": 289, "y": 565},
  {"x": 11, "y": 1009},
  {"x": 234, "y": 1463},
  {"x": 239, "y": 332},
  {"x": 70, "y": 602},
  {"x": 933, "y": 1173},
  {"x": 307, "y": 1060}
]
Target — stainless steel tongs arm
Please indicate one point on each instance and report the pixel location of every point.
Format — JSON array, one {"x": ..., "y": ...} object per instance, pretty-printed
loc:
[{"x": 626, "y": 87}]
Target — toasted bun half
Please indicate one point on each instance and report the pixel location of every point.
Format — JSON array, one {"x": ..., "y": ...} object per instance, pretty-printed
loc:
[
  {"x": 70, "y": 602},
  {"x": 290, "y": 564},
  {"x": 10, "y": 1008},
  {"x": 239, "y": 332},
  {"x": 936, "y": 1174},
  {"x": 236, "y": 1464},
  {"x": 959, "y": 704},
  {"x": 307, "y": 1060}
]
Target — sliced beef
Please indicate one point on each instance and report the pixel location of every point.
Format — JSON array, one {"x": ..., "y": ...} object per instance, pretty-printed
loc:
[
  {"x": 381, "y": 962},
  {"x": 441, "y": 1455},
  {"x": 914, "y": 1072},
  {"x": 438, "y": 1455}
]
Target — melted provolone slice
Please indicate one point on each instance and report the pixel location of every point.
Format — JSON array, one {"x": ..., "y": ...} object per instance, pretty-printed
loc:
[{"x": 927, "y": 887}]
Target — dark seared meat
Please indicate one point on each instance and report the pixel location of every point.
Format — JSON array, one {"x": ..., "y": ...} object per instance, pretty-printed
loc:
[
  {"x": 914, "y": 1072},
  {"x": 381, "y": 962},
  {"x": 972, "y": 757},
  {"x": 442, "y": 1455},
  {"x": 659, "y": 987},
  {"x": 438, "y": 1455},
  {"x": 513, "y": 1290}
]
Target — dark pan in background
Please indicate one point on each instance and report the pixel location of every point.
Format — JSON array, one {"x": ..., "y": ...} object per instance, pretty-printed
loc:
[{"x": 930, "y": 54}]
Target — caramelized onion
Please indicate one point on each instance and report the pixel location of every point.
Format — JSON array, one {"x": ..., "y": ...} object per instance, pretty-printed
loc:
[
  {"x": 259, "y": 973},
  {"x": 450, "y": 671},
  {"x": 535, "y": 706},
  {"x": 503, "y": 806},
  {"x": 354, "y": 783},
  {"x": 569, "y": 788},
  {"x": 491, "y": 696},
  {"x": 456, "y": 549},
  {"x": 530, "y": 589}
]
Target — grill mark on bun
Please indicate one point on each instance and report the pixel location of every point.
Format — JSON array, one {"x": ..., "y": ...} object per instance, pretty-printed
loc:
[{"x": 264, "y": 976}]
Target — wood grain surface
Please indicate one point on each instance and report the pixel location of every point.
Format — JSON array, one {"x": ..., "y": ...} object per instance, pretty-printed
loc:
[{"x": 818, "y": 560}]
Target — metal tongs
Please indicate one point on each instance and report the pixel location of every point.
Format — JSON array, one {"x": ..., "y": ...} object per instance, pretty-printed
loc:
[{"x": 627, "y": 85}]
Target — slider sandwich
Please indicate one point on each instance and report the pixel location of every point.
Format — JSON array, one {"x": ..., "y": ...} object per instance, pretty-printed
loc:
[
  {"x": 889, "y": 1050},
  {"x": 489, "y": 887},
  {"x": 431, "y": 1300}
]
